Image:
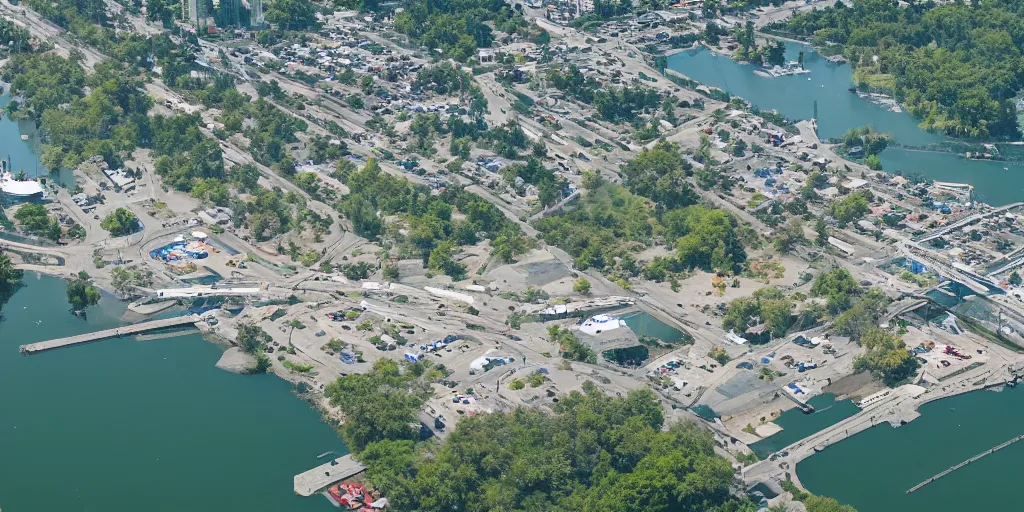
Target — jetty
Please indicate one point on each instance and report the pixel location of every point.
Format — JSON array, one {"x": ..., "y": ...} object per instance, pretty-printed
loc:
[
  {"x": 964, "y": 463},
  {"x": 127, "y": 330},
  {"x": 319, "y": 478}
]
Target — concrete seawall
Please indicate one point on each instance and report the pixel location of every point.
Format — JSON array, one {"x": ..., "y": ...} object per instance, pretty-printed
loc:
[{"x": 310, "y": 482}]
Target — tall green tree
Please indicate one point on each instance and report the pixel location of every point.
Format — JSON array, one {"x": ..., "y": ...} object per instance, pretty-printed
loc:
[
  {"x": 10, "y": 279},
  {"x": 379, "y": 405},
  {"x": 82, "y": 294},
  {"x": 251, "y": 338},
  {"x": 120, "y": 222}
]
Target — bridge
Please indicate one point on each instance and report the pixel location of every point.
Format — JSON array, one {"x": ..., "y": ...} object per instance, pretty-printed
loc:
[
  {"x": 317, "y": 479},
  {"x": 966, "y": 221},
  {"x": 979, "y": 284},
  {"x": 900, "y": 307},
  {"x": 127, "y": 330}
]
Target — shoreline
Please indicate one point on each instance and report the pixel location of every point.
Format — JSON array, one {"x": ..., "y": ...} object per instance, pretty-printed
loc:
[
  {"x": 893, "y": 410},
  {"x": 905, "y": 110},
  {"x": 311, "y": 395},
  {"x": 917, "y": 414}
]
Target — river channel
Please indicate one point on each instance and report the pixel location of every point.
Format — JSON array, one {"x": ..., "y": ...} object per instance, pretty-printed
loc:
[
  {"x": 824, "y": 94},
  {"x": 124, "y": 425}
]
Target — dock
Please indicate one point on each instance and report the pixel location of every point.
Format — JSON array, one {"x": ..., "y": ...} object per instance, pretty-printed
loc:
[
  {"x": 127, "y": 330},
  {"x": 964, "y": 463},
  {"x": 325, "y": 475}
]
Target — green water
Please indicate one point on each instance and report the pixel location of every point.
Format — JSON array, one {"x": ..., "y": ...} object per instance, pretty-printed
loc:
[
  {"x": 24, "y": 154},
  {"x": 632, "y": 357},
  {"x": 124, "y": 426},
  {"x": 643, "y": 324},
  {"x": 873, "y": 470},
  {"x": 796, "y": 425},
  {"x": 839, "y": 110}
]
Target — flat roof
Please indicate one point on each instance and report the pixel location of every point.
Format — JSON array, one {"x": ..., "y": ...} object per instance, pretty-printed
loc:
[{"x": 21, "y": 188}]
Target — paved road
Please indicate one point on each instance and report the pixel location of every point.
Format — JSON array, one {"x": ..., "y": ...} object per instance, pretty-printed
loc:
[{"x": 787, "y": 10}]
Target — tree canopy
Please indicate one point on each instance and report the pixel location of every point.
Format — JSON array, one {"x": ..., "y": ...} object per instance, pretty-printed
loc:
[
  {"x": 378, "y": 406},
  {"x": 659, "y": 173},
  {"x": 595, "y": 452},
  {"x": 35, "y": 220},
  {"x": 838, "y": 287},
  {"x": 887, "y": 357},
  {"x": 10, "y": 279},
  {"x": 957, "y": 66},
  {"x": 82, "y": 294},
  {"x": 767, "y": 305},
  {"x": 457, "y": 29},
  {"x": 251, "y": 338},
  {"x": 120, "y": 222},
  {"x": 433, "y": 233}
]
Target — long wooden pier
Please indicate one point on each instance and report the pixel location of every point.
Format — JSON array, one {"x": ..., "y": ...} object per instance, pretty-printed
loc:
[
  {"x": 324, "y": 475},
  {"x": 964, "y": 463},
  {"x": 127, "y": 330}
]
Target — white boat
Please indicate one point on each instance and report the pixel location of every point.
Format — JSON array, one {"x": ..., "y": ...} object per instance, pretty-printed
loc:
[{"x": 789, "y": 70}]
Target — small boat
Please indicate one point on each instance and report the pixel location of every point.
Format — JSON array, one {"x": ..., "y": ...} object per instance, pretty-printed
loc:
[
  {"x": 24, "y": 137},
  {"x": 324, "y": 454}
]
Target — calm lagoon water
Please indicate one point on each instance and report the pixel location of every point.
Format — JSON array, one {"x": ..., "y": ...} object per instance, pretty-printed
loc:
[
  {"x": 797, "y": 425},
  {"x": 122, "y": 425}
]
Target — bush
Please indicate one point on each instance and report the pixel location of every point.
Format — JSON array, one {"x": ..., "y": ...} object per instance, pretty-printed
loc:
[
  {"x": 120, "y": 222},
  {"x": 719, "y": 354},
  {"x": 581, "y": 286},
  {"x": 298, "y": 367}
]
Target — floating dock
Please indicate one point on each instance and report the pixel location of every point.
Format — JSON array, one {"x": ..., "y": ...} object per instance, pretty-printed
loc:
[
  {"x": 964, "y": 463},
  {"x": 116, "y": 332},
  {"x": 324, "y": 475}
]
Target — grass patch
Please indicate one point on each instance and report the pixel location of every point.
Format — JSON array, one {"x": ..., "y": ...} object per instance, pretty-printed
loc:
[{"x": 297, "y": 367}]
